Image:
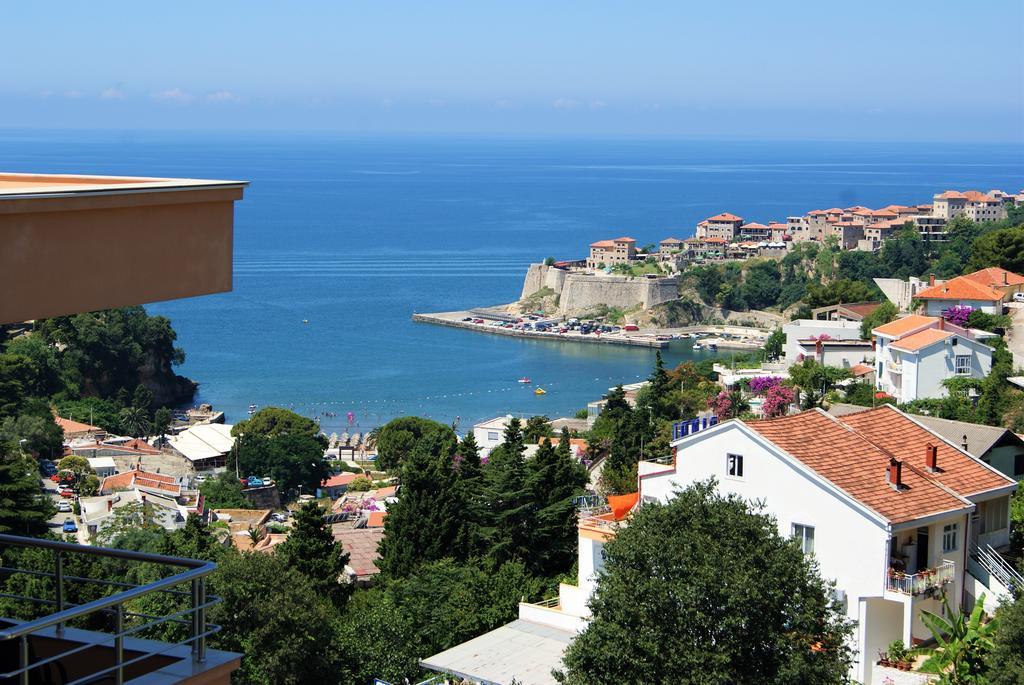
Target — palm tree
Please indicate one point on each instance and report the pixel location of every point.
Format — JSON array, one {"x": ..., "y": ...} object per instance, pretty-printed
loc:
[
  {"x": 963, "y": 644},
  {"x": 134, "y": 421}
]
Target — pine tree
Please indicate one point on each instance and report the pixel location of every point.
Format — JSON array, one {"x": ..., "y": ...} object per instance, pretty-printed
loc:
[
  {"x": 23, "y": 510},
  {"x": 424, "y": 525},
  {"x": 311, "y": 550},
  {"x": 554, "y": 479},
  {"x": 509, "y": 500},
  {"x": 470, "y": 540}
]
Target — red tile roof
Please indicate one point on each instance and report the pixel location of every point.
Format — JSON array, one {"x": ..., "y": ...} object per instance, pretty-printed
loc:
[
  {"x": 340, "y": 479},
  {"x": 753, "y": 224},
  {"x": 995, "y": 277},
  {"x": 922, "y": 339},
  {"x": 861, "y": 370},
  {"x": 138, "y": 478},
  {"x": 71, "y": 427},
  {"x": 361, "y": 545},
  {"x": 376, "y": 519},
  {"x": 623, "y": 240},
  {"x": 858, "y": 466},
  {"x": 899, "y": 434},
  {"x": 725, "y": 216},
  {"x": 906, "y": 325},
  {"x": 389, "y": 491},
  {"x": 603, "y": 243},
  {"x": 960, "y": 288}
]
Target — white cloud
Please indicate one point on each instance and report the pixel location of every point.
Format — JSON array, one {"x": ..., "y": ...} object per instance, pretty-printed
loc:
[
  {"x": 564, "y": 103},
  {"x": 173, "y": 95},
  {"x": 112, "y": 94},
  {"x": 221, "y": 96}
]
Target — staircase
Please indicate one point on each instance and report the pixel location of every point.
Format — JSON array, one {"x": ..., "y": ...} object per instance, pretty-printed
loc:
[{"x": 989, "y": 569}]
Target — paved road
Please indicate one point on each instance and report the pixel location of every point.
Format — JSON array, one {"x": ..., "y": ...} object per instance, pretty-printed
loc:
[{"x": 57, "y": 521}]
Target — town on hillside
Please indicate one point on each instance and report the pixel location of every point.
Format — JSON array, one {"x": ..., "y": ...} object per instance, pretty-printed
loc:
[{"x": 856, "y": 470}]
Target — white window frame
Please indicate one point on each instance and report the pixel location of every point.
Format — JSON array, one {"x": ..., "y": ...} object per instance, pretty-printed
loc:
[
  {"x": 805, "y": 534},
  {"x": 493, "y": 435},
  {"x": 734, "y": 466},
  {"x": 950, "y": 537},
  {"x": 958, "y": 369}
]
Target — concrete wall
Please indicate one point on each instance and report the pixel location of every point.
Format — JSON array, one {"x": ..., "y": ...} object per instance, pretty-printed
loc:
[
  {"x": 936, "y": 307},
  {"x": 540, "y": 276},
  {"x": 801, "y": 329}
]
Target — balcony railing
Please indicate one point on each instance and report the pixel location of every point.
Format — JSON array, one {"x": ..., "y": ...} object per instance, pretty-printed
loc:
[
  {"x": 896, "y": 366},
  {"x": 120, "y": 624},
  {"x": 921, "y": 582}
]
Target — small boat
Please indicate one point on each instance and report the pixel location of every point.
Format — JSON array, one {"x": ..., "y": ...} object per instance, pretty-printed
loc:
[
  {"x": 698, "y": 346},
  {"x": 525, "y": 380},
  {"x": 305, "y": 321},
  {"x": 540, "y": 391}
]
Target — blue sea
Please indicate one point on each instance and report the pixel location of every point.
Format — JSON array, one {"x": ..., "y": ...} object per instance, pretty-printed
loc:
[{"x": 355, "y": 234}]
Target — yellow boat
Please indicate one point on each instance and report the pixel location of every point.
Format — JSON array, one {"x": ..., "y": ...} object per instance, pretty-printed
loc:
[{"x": 540, "y": 391}]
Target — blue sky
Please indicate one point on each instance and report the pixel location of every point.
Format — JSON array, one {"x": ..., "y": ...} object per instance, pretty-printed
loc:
[{"x": 867, "y": 70}]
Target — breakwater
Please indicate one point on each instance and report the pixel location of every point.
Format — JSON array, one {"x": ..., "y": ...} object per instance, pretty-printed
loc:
[{"x": 455, "y": 320}]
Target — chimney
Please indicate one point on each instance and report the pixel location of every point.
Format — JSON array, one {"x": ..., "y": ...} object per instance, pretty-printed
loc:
[
  {"x": 818, "y": 347},
  {"x": 931, "y": 279},
  {"x": 110, "y": 504},
  {"x": 895, "y": 474},
  {"x": 1006, "y": 279},
  {"x": 931, "y": 457},
  {"x": 963, "y": 442},
  {"x": 942, "y": 324}
]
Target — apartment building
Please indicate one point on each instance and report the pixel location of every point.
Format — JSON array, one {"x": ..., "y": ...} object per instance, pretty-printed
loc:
[
  {"x": 724, "y": 226},
  {"x": 975, "y": 205},
  {"x": 611, "y": 252},
  {"x": 915, "y": 354},
  {"x": 965, "y": 291},
  {"x": 755, "y": 231}
]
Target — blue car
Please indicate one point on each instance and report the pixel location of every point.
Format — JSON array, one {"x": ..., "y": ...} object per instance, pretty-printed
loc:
[
  {"x": 69, "y": 526},
  {"x": 255, "y": 482}
]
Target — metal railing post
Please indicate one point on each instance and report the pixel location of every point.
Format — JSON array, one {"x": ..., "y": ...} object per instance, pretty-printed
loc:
[
  {"x": 119, "y": 644},
  {"x": 201, "y": 610},
  {"x": 58, "y": 583},
  {"x": 23, "y": 660}
]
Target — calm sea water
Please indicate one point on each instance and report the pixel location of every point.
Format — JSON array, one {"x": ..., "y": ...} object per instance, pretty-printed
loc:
[{"x": 356, "y": 234}]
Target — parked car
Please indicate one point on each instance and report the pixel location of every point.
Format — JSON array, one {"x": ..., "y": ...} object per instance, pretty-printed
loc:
[
  {"x": 1018, "y": 297},
  {"x": 201, "y": 478},
  {"x": 66, "y": 492},
  {"x": 467, "y": 318},
  {"x": 279, "y": 518},
  {"x": 64, "y": 507},
  {"x": 631, "y": 327},
  {"x": 49, "y": 468},
  {"x": 254, "y": 482},
  {"x": 69, "y": 526}
]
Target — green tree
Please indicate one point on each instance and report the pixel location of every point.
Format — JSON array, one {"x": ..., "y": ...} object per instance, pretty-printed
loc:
[
  {"x": 773, "y": 346},
  {"x": 134, "y": 421},
  {"x": 509, "y": 503},
  {"x": 275, "y": 422},
  {"x": 293, "y": 460},
  {"x": 762, "y": 283},
  {"x": 42, "y": 435},
  {"x": 963, "y": 643},
  {"x": 537, "y": 427},
  {"x": 1003, "y": 248},
  {"x": 311, "y": 550},
  {"x": 554, "y": 478},
  {"x": 815, "y": 381},
  {"x": 400, "y": 436},
  {"x": 142, "y": 398},
  {"x": 162, "y": 422},
  {"x": 24, "y": 510},
  {"x": 713, "y": 578},
  {"x": 905, "y": 254},
  {"x": 224, "y": 492},
  {"x": 837, "y": 292},
  {"x": 1006, "y": 658},
  {"x": 79, "y": 467},
  {"x": 428, "y": 518},
  {"x": 268, "y": 613}
]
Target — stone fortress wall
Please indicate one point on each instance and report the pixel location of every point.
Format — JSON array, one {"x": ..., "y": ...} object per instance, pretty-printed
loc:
[{"x": 581, "y": 292}]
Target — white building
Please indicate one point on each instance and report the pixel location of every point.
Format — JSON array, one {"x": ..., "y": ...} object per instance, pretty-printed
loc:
[
  {"x": 102, "y": 466},
  {"x": 915, "y": 354},
  {"x": 841, "y": 345},
  {"x": 206, "y": 446},
  {"x": 891, "y": 512},
  {"x": 489, "y": 434},
  {"x": 985, "y": 289}
]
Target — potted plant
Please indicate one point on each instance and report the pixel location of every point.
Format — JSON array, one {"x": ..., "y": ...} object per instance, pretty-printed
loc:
[
  {"x": 883, "y": 658},
  {"x": 899, "y": 656}
]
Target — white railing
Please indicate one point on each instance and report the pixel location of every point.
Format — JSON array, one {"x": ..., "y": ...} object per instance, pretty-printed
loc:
[
  {"x": 922, "y": 581},
  {"x": 896, "y": 366}
]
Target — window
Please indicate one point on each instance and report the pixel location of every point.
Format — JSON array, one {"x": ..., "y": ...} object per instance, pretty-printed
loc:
[
  {"x": 734, "y": 465},
  {"x": 963, "y": 365},
  {"x": 949, "y": 537},
  {"x": 805, "y": 534},
  {"x": 492, "y": 435}
]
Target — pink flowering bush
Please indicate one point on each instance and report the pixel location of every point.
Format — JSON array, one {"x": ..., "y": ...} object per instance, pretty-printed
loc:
[
  {"x": 759, "y": 385},
  {"x": 721, "y": 404},
  {"x": 777, "y": 401},
  {"x": 823, "y": 337},
  {"x": 957, "y": 314}
]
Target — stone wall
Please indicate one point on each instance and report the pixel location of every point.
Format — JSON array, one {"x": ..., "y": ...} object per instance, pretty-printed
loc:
[
  {"x": 582, "y": 292},
  {"x": 540, "y": 276}
]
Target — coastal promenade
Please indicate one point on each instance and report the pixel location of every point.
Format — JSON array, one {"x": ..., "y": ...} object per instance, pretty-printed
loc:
[{"x": 455, "y": 320}]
